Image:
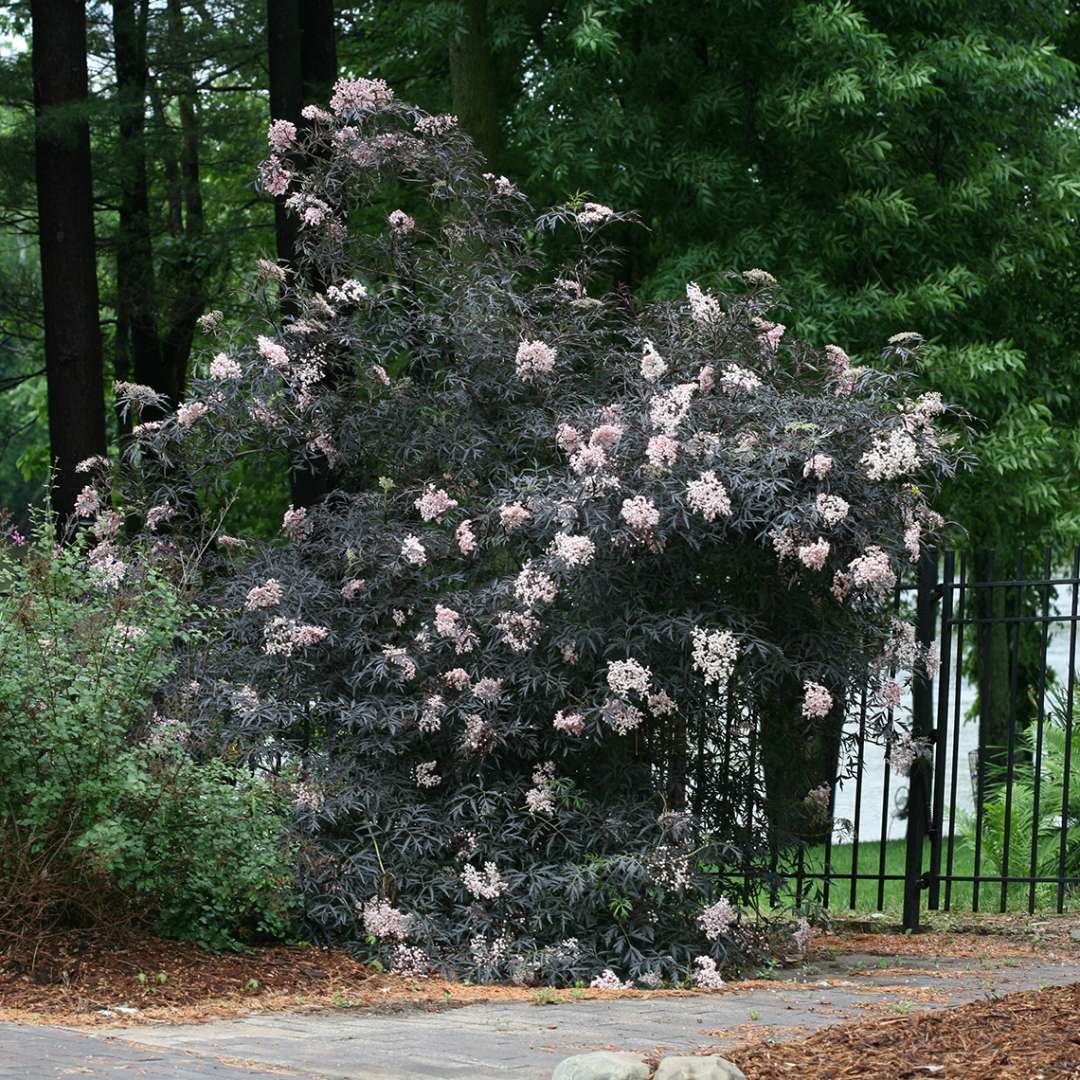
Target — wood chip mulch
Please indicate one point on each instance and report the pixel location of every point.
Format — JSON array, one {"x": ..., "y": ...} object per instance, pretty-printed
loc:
[
  {"x": 1028, "y": 1036},
  {"x": 130, "y": 978}
]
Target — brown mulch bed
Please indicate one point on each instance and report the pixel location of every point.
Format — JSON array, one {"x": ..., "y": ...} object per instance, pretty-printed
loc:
[
  {"x": 90, "y": 979},
  {"x": 1020, "y": 1037}
]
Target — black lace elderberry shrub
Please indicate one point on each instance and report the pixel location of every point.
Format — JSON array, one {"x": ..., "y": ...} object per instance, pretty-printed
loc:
[{"x": 579, "y": 558}]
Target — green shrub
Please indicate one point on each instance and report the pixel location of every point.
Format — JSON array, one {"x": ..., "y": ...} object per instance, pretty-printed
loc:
[
  {"x": 104, "y": 807},
  {"x": 1023, "y": 815}
]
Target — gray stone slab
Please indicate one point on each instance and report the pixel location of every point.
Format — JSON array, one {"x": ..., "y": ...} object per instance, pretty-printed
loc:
[{"x": 517, "y": 1041}]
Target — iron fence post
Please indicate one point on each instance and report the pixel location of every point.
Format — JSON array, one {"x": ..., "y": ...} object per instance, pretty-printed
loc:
[{"x": 918, "y": 802}]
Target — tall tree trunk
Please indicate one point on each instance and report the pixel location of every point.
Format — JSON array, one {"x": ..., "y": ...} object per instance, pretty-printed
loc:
[
  {"x": 318, "y": 50},
  {"x": 302, "y": 53},
  {"x": 190, "y": 298},
  {"x": 474, "y": 81},
  {"x": 138, "y": 345},
  {"x": 286, "y": 100},
  {"x": 76, "y": 393}
]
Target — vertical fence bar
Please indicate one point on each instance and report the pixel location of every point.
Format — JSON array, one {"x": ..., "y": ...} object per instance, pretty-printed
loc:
[
  {"x": 858, "y": 802},
  {"x": 1048, "y": 562},
  {"x": 918, "y": 803},
  {"x": 941, "y": 732},
  {"x": 957, "y": 718},
  {"x": 1069, "y": 696},
  {"x": 982, "y": 641},
  {"x": 886, "y": 774},
  {"x": 1010, "y": 760}
]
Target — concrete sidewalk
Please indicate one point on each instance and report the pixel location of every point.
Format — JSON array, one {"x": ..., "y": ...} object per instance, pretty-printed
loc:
[{"x": 523, "y": 1041}]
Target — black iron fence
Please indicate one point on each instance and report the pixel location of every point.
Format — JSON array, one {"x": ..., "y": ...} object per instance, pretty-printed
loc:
[{"x": 989, "y": 817}]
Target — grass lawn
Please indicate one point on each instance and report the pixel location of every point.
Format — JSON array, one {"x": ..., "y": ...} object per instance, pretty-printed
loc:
[{"x": 892, "y": 900}]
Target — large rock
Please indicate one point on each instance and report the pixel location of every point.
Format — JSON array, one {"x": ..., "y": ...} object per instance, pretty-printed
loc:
[
  {"x": 698, "y": 1068},
  {"x": 602, "y": 1065}
]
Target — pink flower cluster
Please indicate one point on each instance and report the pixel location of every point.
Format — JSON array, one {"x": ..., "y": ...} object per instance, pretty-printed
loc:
[
  {"x": 640, "y": 513},
  {"x": 714, "y": 653},
  {"x": 488, "y": 885},
  {"x": 704, "y": 307},
  {"x": 533, "y": 587},
  {"x": 570, "y": 723},
  {"x": 359, "y": 95},
  {"x": 434, "y": 502},
  {"x": 831, "y": 508},
  {"x": 269, "y": 594},
  {"x": 653, "y": 365},
  {"x": 534, "y": 359},
  {"x": 223, "y": 367},
  {"x": 707, "y": 496},
  {"x": 295, "y": 524},
  {"x": 572, "y": 550},
  {"x": 281, "y": 136},
  {"x": 190, "y": 412},
  {"x": 818, "y": 466},
  {"x": 813, "y": 556},
  {"x": 381, "y": 920},
  {"x": 284, "y": 636},
  {"x": 817, "y": 701},
  {"x": 628, "y": 677},
  {"x": 717, "y": 919},
  {"x": 872, "y": 571}
]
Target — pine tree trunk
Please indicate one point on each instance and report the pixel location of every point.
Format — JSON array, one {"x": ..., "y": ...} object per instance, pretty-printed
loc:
[
  {"x": 73, "y": 363},
  {"x": 138, "y": 345},
  {"x": 286, "y": 99}
]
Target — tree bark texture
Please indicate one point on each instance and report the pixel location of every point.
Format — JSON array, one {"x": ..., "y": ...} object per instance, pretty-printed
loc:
[{"x": 73, "y": 362}]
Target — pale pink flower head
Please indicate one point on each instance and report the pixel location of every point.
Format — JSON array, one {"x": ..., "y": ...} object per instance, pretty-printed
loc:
[
  {"x": 706, "y": 378},
  {"x": 383, "y": 921},
  {"x": 359, "y": 95},
  {"x": 817, "y": 701},
  {"x": 606, "y": 436},
  {"x": 569, "y": 723},
  {"x": 567, "y": 438},
  {"x": 352, "y": 588},
  {"x": 533, "y": 587},
  {"x": 640, "y": 513},
  {"x": 534, "y": 359},
  {"x": 223, "y": 368},
  {"x": 653, "y": 365},
  {"x": 465, "y": 538},
  {"x": 818, "y": 466},
  {"x": 434, "y": 502},
  {"x": 704, "y": 307},
  {"x": 708, "y": 497},
  {"x": 513, "y": 516},
  {"x": 628, "y": 677},
  {"x": 295, "y": 524},
  {"x": 273, "y": 353},
  {"x": 832, "y": 509},
  {"x": 281, "y": 136},
  {"x": 838, "y": 360},
  {"x": 457, "y": 679},
  {"x": 738, "y": 380},
  {"x": 87, "y": 502},
  {"x": 400, "y": 223},
  {"x": 412, "y": 551},
  {"x": 813, "y": 556},
  {"x": 594, "y": 214},
  {"x": 872, "y": 571},
  {"x": 572, "y": 550},
  {"x": 269, "y": 594},
  {"x": 717, "y": 919},
  {"x": 274, "y": 176},
  {"x": 662, "y": 450},
  {"x": 769, "y": 333},
  {"x": 191, "y": 412}
]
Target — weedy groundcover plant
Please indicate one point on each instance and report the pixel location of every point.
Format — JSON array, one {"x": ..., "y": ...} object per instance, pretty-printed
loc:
[{"x": 577, "y": 557}]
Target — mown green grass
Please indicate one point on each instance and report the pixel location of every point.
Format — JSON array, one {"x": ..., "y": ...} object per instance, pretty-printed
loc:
[{"x": 891, "y": 897}]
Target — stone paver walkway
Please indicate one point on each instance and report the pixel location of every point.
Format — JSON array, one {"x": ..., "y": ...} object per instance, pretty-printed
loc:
[{"x": 518, "y": 1041}]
